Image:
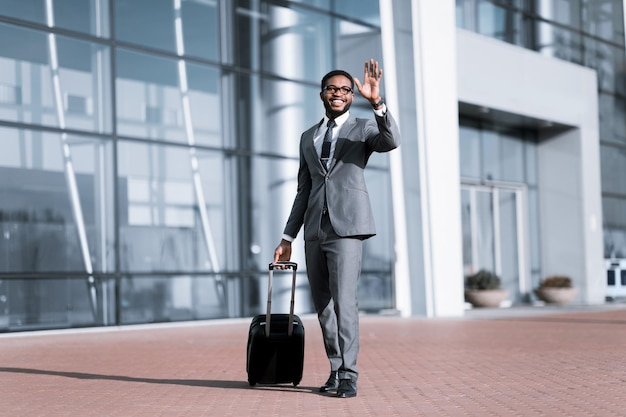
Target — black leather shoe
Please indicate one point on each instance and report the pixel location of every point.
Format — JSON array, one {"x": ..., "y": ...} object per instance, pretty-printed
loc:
[
  {"x": 347, "y": 389},
  {"x": 332, "y": 383}
]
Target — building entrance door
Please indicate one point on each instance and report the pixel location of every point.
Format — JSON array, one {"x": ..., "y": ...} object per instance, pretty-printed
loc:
[{"x": 494, "y": 238}]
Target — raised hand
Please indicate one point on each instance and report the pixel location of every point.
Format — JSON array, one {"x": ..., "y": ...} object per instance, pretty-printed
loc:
[{"x": 372, "y": 75}]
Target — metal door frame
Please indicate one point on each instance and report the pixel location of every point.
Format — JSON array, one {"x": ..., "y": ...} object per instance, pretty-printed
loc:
[{"x": 521, "y": 206}]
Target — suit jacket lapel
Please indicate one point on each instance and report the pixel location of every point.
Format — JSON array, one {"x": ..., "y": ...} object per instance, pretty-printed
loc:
[{"x": 309, "y": 136}]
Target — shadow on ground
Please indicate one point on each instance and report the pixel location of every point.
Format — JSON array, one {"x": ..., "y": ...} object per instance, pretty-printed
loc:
[{"x": 186, "y": 382}]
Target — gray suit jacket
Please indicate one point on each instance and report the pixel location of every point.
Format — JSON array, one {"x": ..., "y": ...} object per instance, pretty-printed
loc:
[{"x": 343, "y": 184}]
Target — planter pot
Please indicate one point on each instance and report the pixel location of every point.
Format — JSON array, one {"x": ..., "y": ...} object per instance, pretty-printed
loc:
[
  {"x": 486, "y": 298},
  {"x": 559, "y": 296}
]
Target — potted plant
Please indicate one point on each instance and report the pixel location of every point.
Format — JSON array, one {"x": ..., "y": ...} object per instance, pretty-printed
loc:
[
  {"x": 556, "y": 289},
  {"x": 482, "y": 289}
]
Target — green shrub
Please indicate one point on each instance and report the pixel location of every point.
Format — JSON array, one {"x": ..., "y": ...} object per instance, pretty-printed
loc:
[
  {"x": 482, "y": 280},
  {"x": 556, "y": 281}
]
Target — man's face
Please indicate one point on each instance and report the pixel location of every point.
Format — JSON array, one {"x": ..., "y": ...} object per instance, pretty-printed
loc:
[{"x": 336, "y": 101}]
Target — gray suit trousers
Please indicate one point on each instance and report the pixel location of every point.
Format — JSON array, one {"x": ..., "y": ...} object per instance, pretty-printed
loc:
[{"x": 333, "y": 268}]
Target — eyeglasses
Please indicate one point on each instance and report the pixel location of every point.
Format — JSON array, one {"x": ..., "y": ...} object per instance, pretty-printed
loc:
[{"x": 334, "y": 89}]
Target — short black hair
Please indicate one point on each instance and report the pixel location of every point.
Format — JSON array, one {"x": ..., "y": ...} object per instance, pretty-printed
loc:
[{"x": 337, "y": 72}]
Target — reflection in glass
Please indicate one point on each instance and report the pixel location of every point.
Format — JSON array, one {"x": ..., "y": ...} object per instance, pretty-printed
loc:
[
  {"x": 492, "y": 235},
  {"x": 40, "y": 232},
  {"x": 604, "y": 19},
  {"x": 150, "y": 103},
  {"x": 485, "y": 231},
  {"x": 365, "y": 10},
  {"x": 466, "y": 231},
  {"x": 161, "y": 228},
  {"x": 33, "y": 304},
  {"x": 509, "y": 241},
  {"x": 87, "y": 16},
  {"x": 170, "y": 298},
  {"x": 609, "y": 63},
  {"x": 613, "y": 210},
  {"x": 469, "y": 150},
  {"x": 559, "y": 43},
  {"x": 613, "y": 170},
  {"x": 565, "y": 12},
  {"x": 290, "y": 42},
  {"x": 499, "y": 22},
  {"x": 612, "y": 114},
  {"x": 30, "y": 71},
  {"x": 511, "y": 158},
  {"x": 152, "y": 23}
]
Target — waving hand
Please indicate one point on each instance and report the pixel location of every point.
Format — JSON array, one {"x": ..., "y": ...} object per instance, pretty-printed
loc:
[{"x": 370, "y": 89}]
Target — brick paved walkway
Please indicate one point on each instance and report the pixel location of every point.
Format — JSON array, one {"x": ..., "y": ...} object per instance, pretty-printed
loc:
[{"x": 543, "y": 364}]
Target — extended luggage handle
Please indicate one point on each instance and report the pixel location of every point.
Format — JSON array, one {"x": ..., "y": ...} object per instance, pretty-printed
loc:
[{"x": 280, "y": 265}]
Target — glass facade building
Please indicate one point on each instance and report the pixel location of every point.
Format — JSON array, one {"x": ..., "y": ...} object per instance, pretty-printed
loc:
[{"x": 150, "y": 151}]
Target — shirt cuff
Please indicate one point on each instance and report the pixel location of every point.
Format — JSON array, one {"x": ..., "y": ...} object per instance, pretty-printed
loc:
[
  {"x": 381, "y": 112},
  {"x": 287, "y": 238}
]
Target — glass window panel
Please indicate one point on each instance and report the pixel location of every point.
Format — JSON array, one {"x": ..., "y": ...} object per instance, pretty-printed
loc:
[
  {"x": 152, "y": 23},
  {"x": 613, "y": 169},
  {"x": 38, "y": 206},
  {"x": 146, "y": 22},
  {"x": 286, "y": 41},
  {"x": 614, "y": 217},
  {"x": 281, "y": 111},
  {"x": 376, "y": 290},
  {"x": 462, "y": 15},
  {"x": 511, "y": 159},
  {"x": 162, "y": 225},
  {"x": 365, "y": 10},
  {"x": 615, "y": 236},
  {"x": 158, "y": 299},
  {"x": 322, "y": 4},
  {"x": 606, "y": 60},
  {"x": 567, "y": 12},
  {"x": 558, "y": 43},
  {"x": 354, "y": 45},
  {"x": 152, "y": 99},
  {"x": 35, "y": 304},
  {"x": 200, "y": 20},
  {"x": 490, "y": 156},
  {"x": 612, "y": 116},
  {"x": 614, "y": 212},
  {"x": 499, "y": 22},
  {"x": 604, "y": 19},
  {"x": 273, "y": 185},
  {"x": 508, "y": 242},
  {"x": 530, "y": 160},
  {"x": 27, "y": 81},
  {"x": 466, "y": 231},
  {"x": 87, "y": 16},
  {"x": 469, "y": 148},
  {"x": 485, "y": 233},
  {"x": 377, "y": 253},
  {"x": 533, "y": 228}
]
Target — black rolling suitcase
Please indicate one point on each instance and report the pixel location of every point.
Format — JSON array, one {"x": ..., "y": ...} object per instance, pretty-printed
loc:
[{"x": 275, "y": 352}]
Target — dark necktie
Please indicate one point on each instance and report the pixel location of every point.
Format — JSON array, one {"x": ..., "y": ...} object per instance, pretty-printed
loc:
[{"x": 328, "y": 137}]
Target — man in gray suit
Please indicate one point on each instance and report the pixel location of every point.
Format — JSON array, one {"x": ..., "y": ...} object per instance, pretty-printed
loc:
[{"x": 333, "y": 204}]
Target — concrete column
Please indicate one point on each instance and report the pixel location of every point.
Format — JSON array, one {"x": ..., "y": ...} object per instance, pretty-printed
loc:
[{"x": 434, "y": 60}]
